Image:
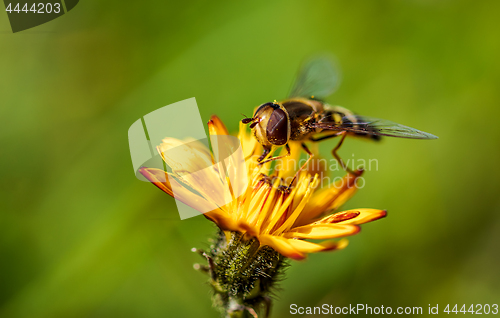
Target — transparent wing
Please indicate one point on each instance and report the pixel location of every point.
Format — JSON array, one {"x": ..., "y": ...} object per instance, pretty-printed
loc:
[
  {"x": 318, "y": 77},
  {"x": 374, "y": 126}
]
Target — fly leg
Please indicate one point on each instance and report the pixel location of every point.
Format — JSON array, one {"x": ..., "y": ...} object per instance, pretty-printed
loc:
[
  {"x": 266, "y": 152},
  {"x": 327, "y": 136},
  {"x": 304, "y": 146},
  {"x": 334, "y": 151}
]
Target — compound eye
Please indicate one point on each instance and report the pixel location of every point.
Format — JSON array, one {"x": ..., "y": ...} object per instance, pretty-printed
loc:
[
  {"x": 262, "y": 108},
  {"x": 277, "y": 128}
]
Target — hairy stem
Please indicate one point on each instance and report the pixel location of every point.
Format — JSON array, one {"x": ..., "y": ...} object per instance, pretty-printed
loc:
[{"x": 242, "y": 275}]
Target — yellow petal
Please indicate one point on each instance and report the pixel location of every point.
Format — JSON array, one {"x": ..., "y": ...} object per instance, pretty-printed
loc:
[
  {"x": 289, "y": 165},
  {"x": 329, "y": 198},
  {"x": 309, "y": 247},
  {"x": 244, "y": 227},
  {"x": 216, "y": 126},
  {"x": 191, "y": 164},
  {"x": 298, "y": 249},
  {"x": 322, "y": 231},
  {"x": 185, "y": 156},
  {"x": 249, "y": 144},
  {"x": 222, "y": 219},
  {"x": 209, "y": 185},
  {"x": 355, "y": 216},
  {"x": 296, "y": 210},
  {"x": 229, "y": 158},
  {"x": 282, "y": 246},
  {"x": 159, "y": 178},
  {"x": 318, "y": 166}
]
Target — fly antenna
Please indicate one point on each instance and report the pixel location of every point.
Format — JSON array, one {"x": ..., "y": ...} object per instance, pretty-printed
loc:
[{"x": 246, "y": 120}]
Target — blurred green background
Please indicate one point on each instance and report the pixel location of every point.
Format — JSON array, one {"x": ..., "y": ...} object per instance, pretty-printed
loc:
[{"x": 81, "y": 237}]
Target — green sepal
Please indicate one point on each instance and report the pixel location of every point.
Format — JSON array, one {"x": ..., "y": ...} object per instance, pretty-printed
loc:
[{"x": 242, "y": 275}]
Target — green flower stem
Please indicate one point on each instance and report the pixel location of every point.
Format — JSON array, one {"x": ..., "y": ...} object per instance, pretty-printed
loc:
[{"x": 242, "y": 275}]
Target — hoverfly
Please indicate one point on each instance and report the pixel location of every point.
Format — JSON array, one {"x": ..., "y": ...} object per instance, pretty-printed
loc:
[{"x": 304, "y": 117}]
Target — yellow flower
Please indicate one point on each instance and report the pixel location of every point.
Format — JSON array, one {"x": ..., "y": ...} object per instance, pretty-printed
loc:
[{"x": 277, "y": 215}]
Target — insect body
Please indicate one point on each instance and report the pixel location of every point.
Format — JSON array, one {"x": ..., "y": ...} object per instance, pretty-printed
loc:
[{"x": 304, "y": 118}]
